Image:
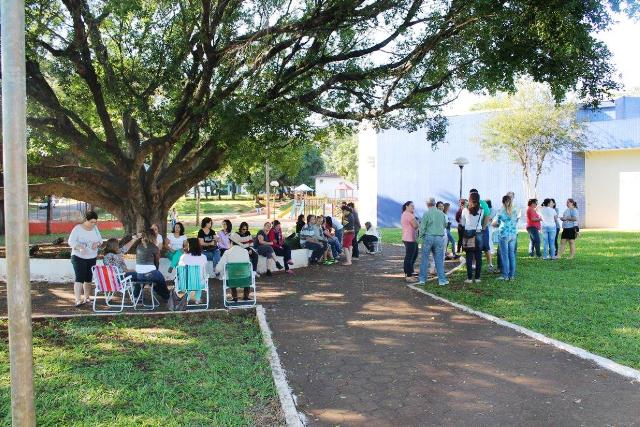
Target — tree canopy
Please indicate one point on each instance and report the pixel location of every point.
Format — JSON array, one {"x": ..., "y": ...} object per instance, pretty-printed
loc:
[
  {"x": 532, "y": 130},
  {"x": 184, "y": 85}
]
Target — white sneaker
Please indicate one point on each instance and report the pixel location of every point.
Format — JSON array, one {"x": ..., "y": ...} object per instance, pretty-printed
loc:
[
  {"x": 257, "y": 275},
  {"x": 477, "y": 280},
  {"x": 468, "y": 281}
]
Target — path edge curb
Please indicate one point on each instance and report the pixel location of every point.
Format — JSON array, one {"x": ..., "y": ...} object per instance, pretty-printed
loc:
[
  {"x": 603, "y": 362},
  {"x": 292, "y": 417}
]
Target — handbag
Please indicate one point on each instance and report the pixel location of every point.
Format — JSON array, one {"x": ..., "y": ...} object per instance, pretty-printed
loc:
[
  {"x": 470, "y": 238},
  {"x": 176, "y": 302}
]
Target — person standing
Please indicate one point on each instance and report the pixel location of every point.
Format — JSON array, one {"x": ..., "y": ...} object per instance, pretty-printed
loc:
[
  {"x": 558, "y": 223},
  {"x": 569, "y": 228},
  {"x": 534, "y": 222},
  {"x": 549, "y": 221},
  {"x": 450, "y": 238},
  {"x": 409, "y": 227},
  {"x": 173, "y": 217},
  {"x": 462, "y": 203},
  {"x": 432, "y": 232},
  {"x": 84, "y": 240},
  {"x": 357, "y": 227},
  {"x": 471, "y": 220},
  {"x": 348, "y": 224},
  {"x": 507, "y": 223}
]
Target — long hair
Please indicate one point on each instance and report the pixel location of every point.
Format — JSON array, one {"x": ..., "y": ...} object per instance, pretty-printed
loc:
[
  {"x": 179, "y": 224},
  {"x": 148, "y": 237},
  {"x": 194, "y": 246},
  {"x": 507, "y": 203},
  {"x": 475, "y": 198},
  {"x": 112, "y": 246},
  {"x": 226, "y": 225},
  {"x": 406, "y": 205}
]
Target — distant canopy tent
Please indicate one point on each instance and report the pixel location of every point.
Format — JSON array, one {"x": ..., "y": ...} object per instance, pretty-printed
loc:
[
  {"x": 344, "y": 191},
  {"x": 303, "y": 188}
]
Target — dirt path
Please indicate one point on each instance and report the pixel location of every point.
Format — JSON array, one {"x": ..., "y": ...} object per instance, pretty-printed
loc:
[{"x": 360, "y": 348}]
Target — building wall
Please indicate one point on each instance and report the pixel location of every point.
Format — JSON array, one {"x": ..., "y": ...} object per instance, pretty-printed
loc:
[
  {"x": 368, "y": 175},
  {"x": 326, "y": 187},
  {"x": 612, "y": 179}
]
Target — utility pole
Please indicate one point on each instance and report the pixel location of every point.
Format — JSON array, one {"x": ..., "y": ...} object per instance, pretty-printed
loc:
[
  {"x": 14, "y": 151},
  {"x": 266, "y": 187}
]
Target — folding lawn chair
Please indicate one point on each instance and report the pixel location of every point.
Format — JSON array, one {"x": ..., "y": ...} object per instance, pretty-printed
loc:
[
  {"x": 238, "y": 275},
  {"x": 377, "y": 246},
  {"x": 109, "y": 280},
  {"x": 189, "y": 279}
]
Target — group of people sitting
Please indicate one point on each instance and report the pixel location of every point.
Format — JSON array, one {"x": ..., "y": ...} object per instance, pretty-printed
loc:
[{"x": 328, "y": 237}]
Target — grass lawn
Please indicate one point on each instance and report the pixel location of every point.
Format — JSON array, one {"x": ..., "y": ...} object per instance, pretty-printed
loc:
[
  {"x": 187, "y": 207},
  {"x": 592, "y": 301},
  {"x": 199, "y": 369}
]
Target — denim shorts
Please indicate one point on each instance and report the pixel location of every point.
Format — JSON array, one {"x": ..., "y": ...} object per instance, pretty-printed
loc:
[{"x": 485, "y": 244}]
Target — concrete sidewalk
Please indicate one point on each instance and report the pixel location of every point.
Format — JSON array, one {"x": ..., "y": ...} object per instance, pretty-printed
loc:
[{"x": 360, "y": 348}]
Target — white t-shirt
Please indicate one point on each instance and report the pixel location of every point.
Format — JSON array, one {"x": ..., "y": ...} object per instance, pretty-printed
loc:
[
  {"x": 372, "y": 231},
  {"x": 81, "y": 241},
  {"x": 201, "y": 260},
  {"x": 548, "y": 215},
  {"x": 235, "y": 254},
  {"x": 159, "y": 241},
  {"x": 175, "y": 243}
]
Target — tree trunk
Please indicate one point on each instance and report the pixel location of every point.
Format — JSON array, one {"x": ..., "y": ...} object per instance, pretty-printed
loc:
[
  {"x": 207, "y": 189},
  {"x": 197, "y": 206},
  {"x": 48, "y": 230},
  {"x": 233, "y": 190},
  {"x": 219, "y": 193}
]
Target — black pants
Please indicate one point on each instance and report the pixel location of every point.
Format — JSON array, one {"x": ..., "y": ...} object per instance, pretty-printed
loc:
[
  {"x": 356, "y": 250},
  {"x": 368, "y": 241},
  {"x": 460, "y": 235},
  {"x": 316, "y": 251},
  {"x": 253, "y": 256},
  {"x": 534, "y": 236},
  {"x": 410, "y": 256},
  {"x": 557, "y": 234},
  {"x": 284, "y": 252},
  {"x": 477, "y": 254}
]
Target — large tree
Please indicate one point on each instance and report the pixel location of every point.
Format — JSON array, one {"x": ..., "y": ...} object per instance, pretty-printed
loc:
[{"x": 133, "y": 102}]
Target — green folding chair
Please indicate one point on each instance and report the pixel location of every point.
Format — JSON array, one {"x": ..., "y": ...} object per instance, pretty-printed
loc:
[
  {"x": 189, "y": 279},
  {"x": 238, "y": 275}
]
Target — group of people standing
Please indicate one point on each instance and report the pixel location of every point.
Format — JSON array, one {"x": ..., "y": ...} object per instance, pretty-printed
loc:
[{"x": 480, "y": 226}]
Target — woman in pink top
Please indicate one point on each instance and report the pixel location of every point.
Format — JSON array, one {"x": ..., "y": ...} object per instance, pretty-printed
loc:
[{"x": 409, "y": 229}]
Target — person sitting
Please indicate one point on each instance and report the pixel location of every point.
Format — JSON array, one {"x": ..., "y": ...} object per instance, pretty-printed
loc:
[
  {"x": 247, "y": 243},
  {"x": 175, "y": 241},
  {"x": 300, "y": 224},
  {"x": 159, "y": 242},
  {"x": 147, "y": 263},
  {"x": 309, "y": 240},
  {"x": 369, "y": 237},
  {"x": 279, "y": 246},
  {"x": 209, "y": 241},
  {"x": 264, "y": 247},
  {"x": 236, "y": 253},
  {"x": 193, "y": 256},
  {"x": 114, "y": 255},
  {"x": 223, "y": 236},
  {"x": 332, "y": 241}
]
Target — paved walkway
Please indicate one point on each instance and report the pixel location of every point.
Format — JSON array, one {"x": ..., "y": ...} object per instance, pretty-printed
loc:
[{"x": 360, "y": 348}]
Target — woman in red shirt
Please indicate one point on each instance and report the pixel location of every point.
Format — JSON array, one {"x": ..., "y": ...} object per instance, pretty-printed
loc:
[
  {"x": 533, "y": 227},
  {"x": 279, "y": 246}
]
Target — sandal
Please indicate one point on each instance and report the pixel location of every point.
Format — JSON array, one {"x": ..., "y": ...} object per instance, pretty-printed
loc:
[{"x": 80, "y": 304}]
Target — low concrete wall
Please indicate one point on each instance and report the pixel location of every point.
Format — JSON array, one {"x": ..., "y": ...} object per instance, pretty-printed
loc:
[{"x": 60, "y": 270}]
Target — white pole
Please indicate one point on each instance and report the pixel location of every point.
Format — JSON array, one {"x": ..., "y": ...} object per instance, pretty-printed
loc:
[{"x": 16, "y": 211}]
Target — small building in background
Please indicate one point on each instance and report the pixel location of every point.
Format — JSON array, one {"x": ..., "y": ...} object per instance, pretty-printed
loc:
[{"x": 334, "y": 186}]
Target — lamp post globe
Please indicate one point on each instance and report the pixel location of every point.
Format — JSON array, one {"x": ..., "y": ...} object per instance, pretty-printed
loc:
[{"x": 461, "y": 162}]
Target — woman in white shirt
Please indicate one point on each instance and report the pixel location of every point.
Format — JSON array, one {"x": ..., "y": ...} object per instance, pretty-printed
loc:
[
  {"x": 159, "y": 239},
  {"x": 471, "y": 222},
  {"x": 194, "y": 257},
  {"x": 84, "y": 240},
  {"x": 369, "y": 237},
  {"x": 175, "y": 241},
  {"x": 549, "y": 224}
]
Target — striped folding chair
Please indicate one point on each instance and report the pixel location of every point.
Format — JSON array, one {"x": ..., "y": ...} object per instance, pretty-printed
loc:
[
  {"x": 190, "y": 279},
  {"x": 110, "y": 281},
  {"x": 238, "y": 275}
]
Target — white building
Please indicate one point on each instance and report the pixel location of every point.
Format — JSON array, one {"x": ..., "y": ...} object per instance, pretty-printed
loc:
[{"x": 334, "y": 186}]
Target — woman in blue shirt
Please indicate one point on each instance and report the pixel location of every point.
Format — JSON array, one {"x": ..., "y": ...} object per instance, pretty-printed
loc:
[
  {"x": 507, "y": 223},
  {"x": 569, "y": 224}
]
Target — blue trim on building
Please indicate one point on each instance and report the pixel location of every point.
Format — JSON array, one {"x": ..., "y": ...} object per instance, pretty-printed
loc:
[{"x": 577, "y": 185}]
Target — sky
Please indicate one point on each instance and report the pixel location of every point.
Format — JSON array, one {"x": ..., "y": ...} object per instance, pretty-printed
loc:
[{"x": 622, "y": 39}]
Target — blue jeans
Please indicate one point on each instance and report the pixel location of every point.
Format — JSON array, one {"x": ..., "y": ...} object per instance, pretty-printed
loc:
[
  {"x": 339, "y": 236},
  {"x": 549, "y": 241},
  {"x": 451, "y": 240},
  {"x": 335, "y": 246},
  {"x": 156, "y": 277},
  {"x": 534, "y": 241},
  {"x": 508, "y": 256},
  {"x": 434, "y": 245},
  {"x": 213, "y": 255}
]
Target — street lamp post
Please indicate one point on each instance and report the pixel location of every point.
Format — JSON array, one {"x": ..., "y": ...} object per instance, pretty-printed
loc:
[
  {"x": 275, "y": 185},
  {"x": 461, "y": 162}
]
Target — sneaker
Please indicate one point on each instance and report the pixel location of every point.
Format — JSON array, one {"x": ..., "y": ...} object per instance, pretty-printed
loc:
[
  {"x": 443, "y": 283},
  {"x": 421, "y": 283},
  {"x": 279, "y": 266},
  {"x": 501, "y": 278},
  {"x": 257, "y": 275},
  {"x": 477, "y": 280},
  {"x": 468, "y": 281},
  {"x": 411, "y": 279}
]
